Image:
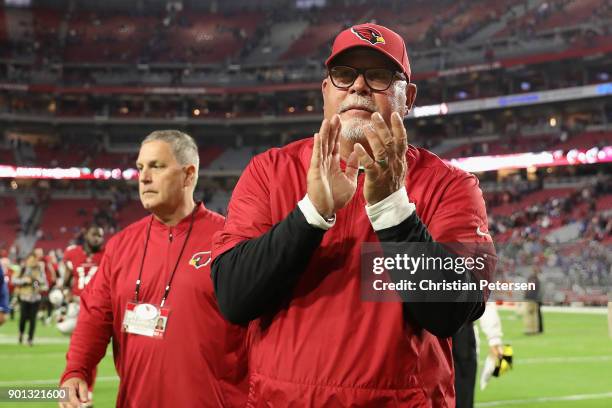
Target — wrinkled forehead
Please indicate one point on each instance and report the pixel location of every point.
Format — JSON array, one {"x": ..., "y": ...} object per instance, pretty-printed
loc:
[
  {"x": 362, "y": 57},
  {"x": 155, "y": 150}
]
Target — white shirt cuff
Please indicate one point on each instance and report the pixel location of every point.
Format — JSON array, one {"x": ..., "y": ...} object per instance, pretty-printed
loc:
[
  {"x": 391, "y": 211},
  {"x": 312, "y": 215},
  {"x": 495, "y": 341}
]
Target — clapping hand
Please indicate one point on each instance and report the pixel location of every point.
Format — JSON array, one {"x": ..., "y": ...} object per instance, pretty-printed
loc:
[
  {"x": 330, "y": 188},
  {"x": 386, "y": 170}
]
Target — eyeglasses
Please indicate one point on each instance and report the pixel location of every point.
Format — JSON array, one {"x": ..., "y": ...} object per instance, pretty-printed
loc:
[{"x": 378, "y": 79}]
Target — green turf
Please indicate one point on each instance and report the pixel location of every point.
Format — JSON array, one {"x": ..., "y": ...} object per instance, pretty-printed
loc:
[
  {"x": 572, "y": 357},
  {"x": 540, "y": 368},
  {"x": 44, "y": 363}
]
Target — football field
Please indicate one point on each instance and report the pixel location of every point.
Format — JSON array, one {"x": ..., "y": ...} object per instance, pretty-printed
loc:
[{"x": 570, "y": 365}]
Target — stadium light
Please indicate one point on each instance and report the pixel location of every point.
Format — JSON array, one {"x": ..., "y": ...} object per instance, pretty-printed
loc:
[{"x": 471, "y": 164}]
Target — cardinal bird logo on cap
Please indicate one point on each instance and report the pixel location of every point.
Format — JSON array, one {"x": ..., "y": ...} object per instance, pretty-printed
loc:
[
  {"x": 369, "y": 34},
  {"x": 200, "y": 259}
]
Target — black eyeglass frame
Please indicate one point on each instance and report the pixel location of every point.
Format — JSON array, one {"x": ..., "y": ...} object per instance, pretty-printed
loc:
[{"x": 396, "y": 75}]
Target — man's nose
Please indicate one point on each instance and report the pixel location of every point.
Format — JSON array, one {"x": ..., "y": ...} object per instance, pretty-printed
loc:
[
  {"x": 144, "y": 176},
  {"x": 360, "y": 86}
]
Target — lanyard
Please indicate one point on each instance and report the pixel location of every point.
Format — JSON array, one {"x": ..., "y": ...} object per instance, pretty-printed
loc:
[{"x": 167, "y": 290}]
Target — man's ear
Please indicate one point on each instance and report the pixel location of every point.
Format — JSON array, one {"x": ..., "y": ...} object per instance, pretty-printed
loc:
[
  {"x": 324, "y": 85},
  {"x": 190, "y": 176},
  {"x": 411, "y": 93}
]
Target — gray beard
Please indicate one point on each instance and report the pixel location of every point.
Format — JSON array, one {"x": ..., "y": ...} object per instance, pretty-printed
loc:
[{"x": 354, "y": 130}]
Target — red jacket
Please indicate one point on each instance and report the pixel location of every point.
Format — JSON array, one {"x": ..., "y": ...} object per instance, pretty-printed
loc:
[
  {"x": 326, "y": 347},
  {"x": 200, "y": 361}
]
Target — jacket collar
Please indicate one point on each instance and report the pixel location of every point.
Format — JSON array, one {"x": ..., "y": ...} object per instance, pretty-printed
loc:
[{"x": 183, "y": 225}]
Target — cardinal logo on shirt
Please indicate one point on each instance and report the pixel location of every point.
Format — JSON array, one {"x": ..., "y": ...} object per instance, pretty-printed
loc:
[
  {"x": 200, "y": 259},
  {"x": 369, "y": 34}
]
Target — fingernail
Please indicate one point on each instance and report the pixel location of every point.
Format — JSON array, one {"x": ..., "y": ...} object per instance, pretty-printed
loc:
[{"x": 377, "y": 116}]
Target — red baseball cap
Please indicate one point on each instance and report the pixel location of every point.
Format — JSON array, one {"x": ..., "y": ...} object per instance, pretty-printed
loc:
[{"x": 374, "y": 36}]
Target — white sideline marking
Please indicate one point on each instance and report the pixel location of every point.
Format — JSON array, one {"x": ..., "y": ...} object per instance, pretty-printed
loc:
[
  {"x": 601, "y": 310},
  {"x": 53, "y": 381},
  {"x": 25, "y": 354},
  {"x": 574, "y": 309},
  {"x": 578, "y": 397},
  {"x": 6, "y": 339},
  {"x": 584, "y": 359}
]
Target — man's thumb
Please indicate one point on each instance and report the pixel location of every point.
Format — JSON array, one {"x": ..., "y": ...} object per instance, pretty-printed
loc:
[{"x": 83, "y": 391}]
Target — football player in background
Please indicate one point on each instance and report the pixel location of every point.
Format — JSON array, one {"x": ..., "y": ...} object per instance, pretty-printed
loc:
[
  {"x": 81, "y": 261},
  {"x": 80, "y": 265}
]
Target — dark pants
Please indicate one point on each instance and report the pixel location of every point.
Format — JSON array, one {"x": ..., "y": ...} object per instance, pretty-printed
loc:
[
  {"x": 28, "y": 312},
  {"x": 540, "y": 322},
  {"x": 466, "y": 364}
]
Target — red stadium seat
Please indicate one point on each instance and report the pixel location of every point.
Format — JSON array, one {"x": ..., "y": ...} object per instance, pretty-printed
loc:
[
  {"x": 62, "y": 220},
  {"x": 330, "y": 21},
  {"x": 7, "y": 157},
  {"x": 9, "y": 221}
]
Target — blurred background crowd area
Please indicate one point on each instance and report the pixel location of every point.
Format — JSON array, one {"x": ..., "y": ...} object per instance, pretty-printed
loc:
[{"x": 82, "y": 82}]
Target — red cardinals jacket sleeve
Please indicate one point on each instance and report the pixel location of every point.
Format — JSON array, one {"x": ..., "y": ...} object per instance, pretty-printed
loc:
[
  {"x": 248, "y": 214},
  {"x": 94, "y": 328},
  {"x": 462, "y": 216},
  {"x": 256, "y": 274}
]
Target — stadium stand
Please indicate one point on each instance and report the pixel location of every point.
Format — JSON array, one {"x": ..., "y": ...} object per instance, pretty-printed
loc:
[
  {"x": 62, "y": 219},
  {"x": 548, "y": 15},
  {"x": 4, "y": 46},
  {"x": 537, "y": 143},
  {"x": 130, "y": 212},
  {"x": 6, "y": 156},
  {"x": 245, "y": 75},
  {"x": 232, "y": 159},
  {"x": 209, "y": 155},
  {"x": 9, "y": 221},
  {"x": 531, "y": 199},
  {"x": 316, "y": 37}
]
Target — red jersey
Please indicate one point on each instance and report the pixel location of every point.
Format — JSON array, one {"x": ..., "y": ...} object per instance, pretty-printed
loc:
[
  {"x": 82, "y": 266},
  {"x": 200, "y": 361},
  {"x": 327, "y": 347},
  {"x": 50, "y": 272}
]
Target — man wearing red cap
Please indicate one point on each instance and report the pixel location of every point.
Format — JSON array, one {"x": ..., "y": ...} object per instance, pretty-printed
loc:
[{"x": 287, "y": 261}]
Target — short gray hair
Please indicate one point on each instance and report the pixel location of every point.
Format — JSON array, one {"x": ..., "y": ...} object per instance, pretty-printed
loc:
[{"x": 183, "y": 146}]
